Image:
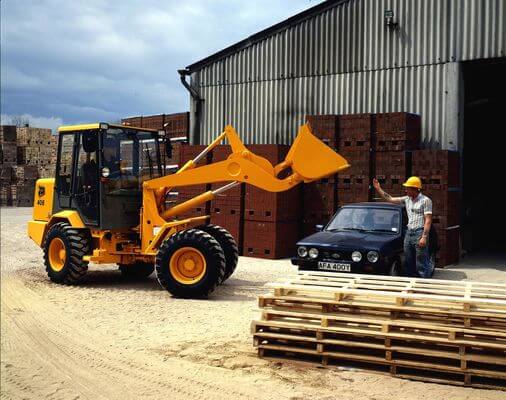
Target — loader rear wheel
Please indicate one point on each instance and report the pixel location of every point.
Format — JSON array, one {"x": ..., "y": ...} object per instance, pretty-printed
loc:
[
  {"x": 190, "y": 264},
  {"x": 227, "y": 243},
  {"x": 136, "y": 271},
  {"x": 64, "y": 249}
]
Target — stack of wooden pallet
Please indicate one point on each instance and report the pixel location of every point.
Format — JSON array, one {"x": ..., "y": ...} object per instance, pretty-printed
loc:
[{"x": 430, "y": 330}]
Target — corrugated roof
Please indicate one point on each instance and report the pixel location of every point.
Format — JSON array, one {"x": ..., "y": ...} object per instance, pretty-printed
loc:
[{"x": 251, "y": 40}]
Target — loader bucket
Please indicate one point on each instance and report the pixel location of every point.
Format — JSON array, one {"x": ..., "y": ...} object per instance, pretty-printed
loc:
[{"x": 312, "y": 159}]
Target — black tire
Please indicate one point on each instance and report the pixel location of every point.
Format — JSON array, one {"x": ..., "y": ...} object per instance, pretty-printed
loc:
[
  {"x": 212, "y": 274},
  {"x": 136, "y": 271},
  {"x": 395, "y": 268},
  {"x": 227, "y": 243},
  {"x": 76, "y": 245}
]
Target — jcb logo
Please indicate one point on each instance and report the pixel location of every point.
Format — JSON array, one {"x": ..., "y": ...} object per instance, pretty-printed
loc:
[{"x": 40, "y": 202}]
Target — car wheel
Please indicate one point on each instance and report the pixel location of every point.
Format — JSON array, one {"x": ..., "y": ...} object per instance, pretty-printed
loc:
[{"x": 395, "y": 268}]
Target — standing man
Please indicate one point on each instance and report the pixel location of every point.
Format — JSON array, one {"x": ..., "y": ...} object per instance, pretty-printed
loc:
[{"x": 419, "y": 210}]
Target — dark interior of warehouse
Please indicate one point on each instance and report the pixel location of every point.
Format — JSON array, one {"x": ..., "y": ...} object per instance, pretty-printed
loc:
[{"x": 484, "y": 147}]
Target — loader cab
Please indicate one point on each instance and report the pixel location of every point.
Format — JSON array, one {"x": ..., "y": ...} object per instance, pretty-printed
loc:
[{"x": 100, "y": 171}]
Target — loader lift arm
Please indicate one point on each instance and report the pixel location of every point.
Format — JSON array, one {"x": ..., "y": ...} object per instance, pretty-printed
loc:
[{"x": 309, "y": 159}]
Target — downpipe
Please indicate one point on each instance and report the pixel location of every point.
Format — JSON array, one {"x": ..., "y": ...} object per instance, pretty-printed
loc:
[{"x": 195, "y": 130}]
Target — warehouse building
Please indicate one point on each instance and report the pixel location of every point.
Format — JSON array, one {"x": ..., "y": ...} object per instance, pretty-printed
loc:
[{"x": 442, "y": 59}]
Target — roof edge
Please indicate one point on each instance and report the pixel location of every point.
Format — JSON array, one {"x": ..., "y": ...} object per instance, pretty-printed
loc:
[
  {"x": 259, "y": 36},
  {"x": 96, "y": 125}
]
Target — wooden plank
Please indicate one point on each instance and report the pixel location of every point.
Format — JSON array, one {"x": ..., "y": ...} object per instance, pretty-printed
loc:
[
  {"x": 498, "y": 306},
  {"x": 383, "y": 322},
  {"x": 374, "y": 305},
  {"x": 368, "y": 331},
  {"x": 456, "y": 354},
  {"x": 429, "y": 330},
  {"x": 385, "y": 278},
  {"x": 469, "y": 318},
  {"x": 434, "y": 371}
]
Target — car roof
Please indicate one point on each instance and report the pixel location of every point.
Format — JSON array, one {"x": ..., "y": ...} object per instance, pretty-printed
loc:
[{"x": 374, "y": 204}]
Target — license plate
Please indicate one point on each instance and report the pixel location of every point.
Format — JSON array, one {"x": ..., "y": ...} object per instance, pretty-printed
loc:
[{"x": 331, "y": 266}]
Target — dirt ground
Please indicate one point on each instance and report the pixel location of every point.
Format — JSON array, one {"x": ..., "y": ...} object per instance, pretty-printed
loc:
[{"x": 112, "y": 339}]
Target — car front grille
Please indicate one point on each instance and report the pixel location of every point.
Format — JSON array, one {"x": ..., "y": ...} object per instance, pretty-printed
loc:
[{"x": 343, "y": 255}]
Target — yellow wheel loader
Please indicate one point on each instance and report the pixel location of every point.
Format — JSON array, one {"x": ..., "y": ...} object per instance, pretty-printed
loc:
[{"x": 110, "y": 203}]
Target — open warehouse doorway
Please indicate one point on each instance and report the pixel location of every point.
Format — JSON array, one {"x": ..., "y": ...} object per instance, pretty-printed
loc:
[{"x": 484, "y": 156}]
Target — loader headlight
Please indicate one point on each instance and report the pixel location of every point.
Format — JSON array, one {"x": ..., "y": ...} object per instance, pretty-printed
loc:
[
  {"x": 372, "y": 256},
  {"x": 302, "y": 251},
  {"x": 313, "y": 253},
  {"x": 356, "y": 256},
  {"x": 105, "y": 172}
]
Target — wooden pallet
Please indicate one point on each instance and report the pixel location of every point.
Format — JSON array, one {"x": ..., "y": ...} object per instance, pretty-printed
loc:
[
  {"x": 430, "y": 330},
  {"x": 469, "y": 298}
]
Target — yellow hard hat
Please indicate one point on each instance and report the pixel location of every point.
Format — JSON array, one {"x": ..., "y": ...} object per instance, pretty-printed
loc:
[{"x": 414, "y": 182}]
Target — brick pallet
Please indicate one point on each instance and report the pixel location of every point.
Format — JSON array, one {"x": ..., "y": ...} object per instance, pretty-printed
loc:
[
  {"x": 429, "y": 330},
  {"x": 227, "y": 209},
  {"x": 397, "y": 131},
  {"x": 233, "y": 197},
  {"x": 392, "y": 168},
  {"x": 8, "y": 153},
  {"x": 440, "y": 173},
  {"x": 187, "y": 192},
  {"x": 324, "y": 127},
  {"x": 8, "y": 133},
  {"x": 270, "y": 239},
  {"x": 29, "y": 136},
  {"x": 437, "y": 166},
  {"x": 175, "y": 125},
  {"x": 276, "y": 213}
]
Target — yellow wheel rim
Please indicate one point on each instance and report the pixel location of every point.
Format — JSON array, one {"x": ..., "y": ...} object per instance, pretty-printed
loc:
[
  {"x": 57, "y": 254},
  {"x": 187, "y": 265}
]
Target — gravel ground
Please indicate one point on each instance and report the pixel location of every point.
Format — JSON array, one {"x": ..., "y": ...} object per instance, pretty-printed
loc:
[{"x": 113, "y": 339}]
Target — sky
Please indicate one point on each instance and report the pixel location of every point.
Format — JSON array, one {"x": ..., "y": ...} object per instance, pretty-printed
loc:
[{"x": 68, "y": 62}]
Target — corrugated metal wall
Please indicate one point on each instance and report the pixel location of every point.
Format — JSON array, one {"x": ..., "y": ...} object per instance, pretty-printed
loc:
[
  {"x": 346, "y": 60},
  {"x": 272, "y": 111}
]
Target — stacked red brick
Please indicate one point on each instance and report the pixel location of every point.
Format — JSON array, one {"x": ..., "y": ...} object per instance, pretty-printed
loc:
[
  {"x": 264, "y": 224},
  {"x": 440, "y": 173},
  {"x": 354, "y": 144},
  {"x": 320, "y": 198},
  {"x": 271, "y": 220},
  {"x": 227, "y": 208},
  {"x": 185, "y": 193},
  {"x": 175, "y": 126},
  {"x": 396, "y": 136}
]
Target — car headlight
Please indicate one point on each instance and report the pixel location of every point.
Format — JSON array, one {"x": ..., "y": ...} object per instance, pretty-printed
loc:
[
  {"x": 313, "y": 253},
  {"x": 373, "y": 256},
  {"x": 356, "y": 256},
  {"x": 302, "y": 251}
]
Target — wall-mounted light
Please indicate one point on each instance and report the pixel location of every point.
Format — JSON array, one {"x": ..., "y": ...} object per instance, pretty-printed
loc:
[{"x": 390, "y": 21}]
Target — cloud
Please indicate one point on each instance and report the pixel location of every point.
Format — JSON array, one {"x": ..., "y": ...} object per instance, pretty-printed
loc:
[
  {"x": 96, "y": 60},
  {"x": 39, "y": 122}
]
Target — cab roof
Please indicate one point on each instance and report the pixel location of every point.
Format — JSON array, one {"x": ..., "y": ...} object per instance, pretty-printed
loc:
[{"x": 97, "y": 125}]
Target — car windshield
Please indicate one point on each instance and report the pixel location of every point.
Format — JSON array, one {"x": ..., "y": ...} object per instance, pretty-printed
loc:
[{"x": 365, "y": 219}]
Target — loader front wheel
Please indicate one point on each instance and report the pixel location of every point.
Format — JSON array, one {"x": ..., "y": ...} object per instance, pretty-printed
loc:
[
  {"x": 190, "y": 264},
  {"x": 227, "y": 243},
  {"x": 64, "y": 249}
]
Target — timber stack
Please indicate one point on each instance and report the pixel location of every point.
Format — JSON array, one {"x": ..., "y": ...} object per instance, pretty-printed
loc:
[
  {"x": 440, "y": 331},
  {"x": 26, "y": 154}
]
